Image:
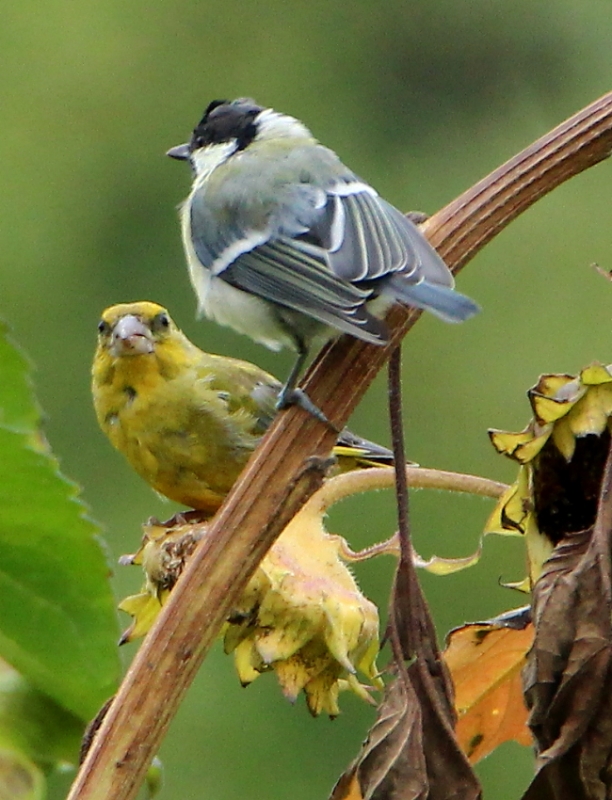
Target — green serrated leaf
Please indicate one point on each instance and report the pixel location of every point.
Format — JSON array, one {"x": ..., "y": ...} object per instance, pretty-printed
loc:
[
  {"x": 58, "y": 625},
  {"x": 18, "y": 408}
]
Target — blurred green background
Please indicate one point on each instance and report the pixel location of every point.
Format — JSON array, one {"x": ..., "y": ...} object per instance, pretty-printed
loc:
[{"x": 420, "y": 98}]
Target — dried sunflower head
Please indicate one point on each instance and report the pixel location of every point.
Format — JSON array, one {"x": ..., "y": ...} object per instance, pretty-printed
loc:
[
  {"x": 301, "y": 616},
  {"x": 562, "y": 453}
]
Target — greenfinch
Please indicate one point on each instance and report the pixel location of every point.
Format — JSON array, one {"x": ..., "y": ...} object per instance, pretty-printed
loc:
[{"x": 187, "y": 421}]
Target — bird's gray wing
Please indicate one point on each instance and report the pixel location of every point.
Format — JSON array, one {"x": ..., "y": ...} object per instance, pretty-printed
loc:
[
  {"x": 236, "y": 216},
  {"x": 370, "y": 243},
  {"x": 367, "y": 239},
  {"x": 217, "y": 243},
  {"x": 268, "y": 255},
  {"x": 296, "y": 275},
  {"x": 320, "y": 249}
]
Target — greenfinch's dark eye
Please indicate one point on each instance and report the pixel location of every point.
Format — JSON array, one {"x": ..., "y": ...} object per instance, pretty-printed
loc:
[
  {"x": 103, "y": 327},
  {"x": 161, "y": 322}
]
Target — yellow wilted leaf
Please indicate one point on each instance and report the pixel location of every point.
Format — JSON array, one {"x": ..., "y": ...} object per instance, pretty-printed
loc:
[
  {"x": 595, "y": 374},
  {"x": 553, "y": 383},
  {"x": 144, "y": 608},
  {"x": 448, "y": 566},
  {"x": 590, "y": 414},
  {"x": 549, "y": 409},
  {"x": 564, "y": 438},
  {"x": 347, "y": 788},
  {"x": 563, "y": 444},
  {"x": 506, "y": 443}
]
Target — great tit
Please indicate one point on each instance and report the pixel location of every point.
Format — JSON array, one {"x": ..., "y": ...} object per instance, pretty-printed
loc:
[{"x": 286, "y": 244}]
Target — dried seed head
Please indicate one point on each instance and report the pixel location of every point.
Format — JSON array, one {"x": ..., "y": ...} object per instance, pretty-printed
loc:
[
  {"x": 301, "y": 615},
  {"x": 562, "y": 453}
]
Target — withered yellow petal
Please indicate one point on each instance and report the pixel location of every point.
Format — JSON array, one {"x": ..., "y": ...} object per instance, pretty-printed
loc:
[
  {"x": 506, "y": 443},
  {"x": 564, "y": 438},
  {"x": 596, "y": 374}
]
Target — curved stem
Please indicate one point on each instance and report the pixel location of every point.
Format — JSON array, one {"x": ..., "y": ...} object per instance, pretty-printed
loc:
[{"x": 366, "y": 480}]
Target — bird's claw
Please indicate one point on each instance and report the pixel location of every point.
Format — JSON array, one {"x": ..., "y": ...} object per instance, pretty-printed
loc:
[{"x": 297, "y": 397}]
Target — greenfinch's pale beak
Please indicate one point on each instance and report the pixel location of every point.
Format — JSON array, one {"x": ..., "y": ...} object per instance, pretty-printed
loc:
[
  {"x": 131, "y": 337},
  {"x": 180, "y": 152}
]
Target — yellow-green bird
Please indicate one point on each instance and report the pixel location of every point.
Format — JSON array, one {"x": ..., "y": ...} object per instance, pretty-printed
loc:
[{"x": 186, "y": 420}]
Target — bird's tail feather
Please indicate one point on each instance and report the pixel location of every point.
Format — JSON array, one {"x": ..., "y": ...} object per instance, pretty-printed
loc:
[{"x": 443, "y": 301}]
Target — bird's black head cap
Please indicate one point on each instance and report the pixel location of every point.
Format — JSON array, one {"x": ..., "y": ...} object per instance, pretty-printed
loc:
[{"x": 225, "y": 120}]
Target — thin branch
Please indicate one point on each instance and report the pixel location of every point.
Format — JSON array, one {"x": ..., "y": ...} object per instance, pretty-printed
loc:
[
  {"x": 417, "y": 660},
  {"x": 247, "y": 525},
  {"x": 367, "y": 480},
  {"x": 399, "y": 457},
  {"x": 408, "y": 617}
]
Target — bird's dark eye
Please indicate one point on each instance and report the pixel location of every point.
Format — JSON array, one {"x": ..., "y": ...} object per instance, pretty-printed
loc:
[
  {"x": 161, "y": 322},
  {"x": 103, "y": 327}
]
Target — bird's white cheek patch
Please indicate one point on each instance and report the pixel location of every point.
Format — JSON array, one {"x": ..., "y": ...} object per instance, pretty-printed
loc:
[{"x": 207, "y": 159}]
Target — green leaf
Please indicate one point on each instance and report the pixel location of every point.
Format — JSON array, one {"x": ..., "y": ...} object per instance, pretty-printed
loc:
[
  {"x": 58, "y": 625},
  {"x": 18, "y": 408}
]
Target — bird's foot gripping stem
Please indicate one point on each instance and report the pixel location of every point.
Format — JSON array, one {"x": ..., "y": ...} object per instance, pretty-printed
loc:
[{"x": 290, "y": 396}]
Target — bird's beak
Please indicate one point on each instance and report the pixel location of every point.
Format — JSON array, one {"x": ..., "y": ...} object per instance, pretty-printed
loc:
[
  {"x": 131, "y": 338},
  {"x": 180, "y": 152}
]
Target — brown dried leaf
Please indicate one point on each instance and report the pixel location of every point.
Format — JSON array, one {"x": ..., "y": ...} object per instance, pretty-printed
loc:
[
  {"x": 485, "y": 660},
  {"x": 568, "y": 678},
  {"x": 391, "y": 765},
  {"x": 411, "y": 752},
  {"x": 449, "y": 772}
]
